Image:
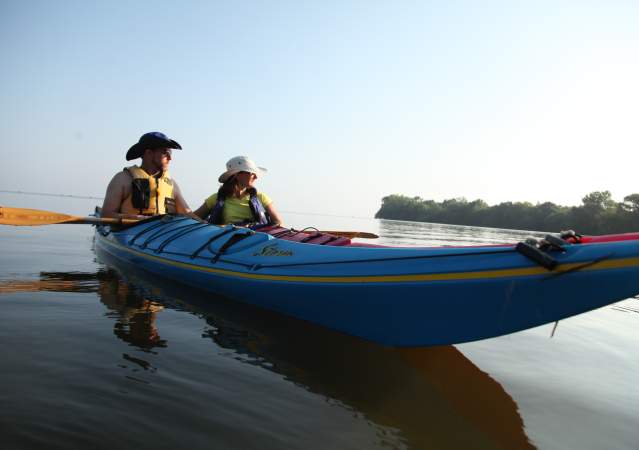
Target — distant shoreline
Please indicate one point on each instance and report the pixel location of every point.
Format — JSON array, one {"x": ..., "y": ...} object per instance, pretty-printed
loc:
[{"x": 598, "y": 213}]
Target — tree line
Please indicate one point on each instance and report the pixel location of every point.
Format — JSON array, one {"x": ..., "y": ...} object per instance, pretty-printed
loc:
[{"x": 598, "y": 213}]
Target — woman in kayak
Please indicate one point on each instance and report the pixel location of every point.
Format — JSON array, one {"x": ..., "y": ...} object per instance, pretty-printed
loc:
[{"x": 237, "y": 201}]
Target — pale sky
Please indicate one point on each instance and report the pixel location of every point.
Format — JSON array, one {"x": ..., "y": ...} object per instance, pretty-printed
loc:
[{"x": 343, "y": 101}]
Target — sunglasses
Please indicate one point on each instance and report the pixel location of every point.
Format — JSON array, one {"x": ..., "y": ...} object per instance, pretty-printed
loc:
[{"x": 165, "y": 152}]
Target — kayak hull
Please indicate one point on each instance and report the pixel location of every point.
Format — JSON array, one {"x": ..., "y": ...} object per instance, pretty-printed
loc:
[{"x": 394, "y": 296}]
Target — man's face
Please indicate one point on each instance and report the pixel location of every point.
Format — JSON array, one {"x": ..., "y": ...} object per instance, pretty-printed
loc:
[{"x": 162, "y": 158}]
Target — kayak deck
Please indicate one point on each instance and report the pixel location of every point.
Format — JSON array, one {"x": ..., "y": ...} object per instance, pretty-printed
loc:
[{"x": 305, "y": 236}]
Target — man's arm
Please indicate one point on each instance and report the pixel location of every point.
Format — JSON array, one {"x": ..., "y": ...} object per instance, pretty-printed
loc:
[
  {"x": 180, "y": 204},
  {"x": 114, "y": 197}
]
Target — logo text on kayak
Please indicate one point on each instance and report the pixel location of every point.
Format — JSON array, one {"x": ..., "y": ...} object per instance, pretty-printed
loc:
[{"x": 273, "y": 250}]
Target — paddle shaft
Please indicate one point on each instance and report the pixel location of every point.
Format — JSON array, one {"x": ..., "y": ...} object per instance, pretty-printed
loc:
[
  {"x": 36, "y": 217},
  {"x": 352, "y": 234}
]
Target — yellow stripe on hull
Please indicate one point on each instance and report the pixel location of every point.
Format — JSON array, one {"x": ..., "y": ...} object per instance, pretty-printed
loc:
[{"x": 475, "y": 275}]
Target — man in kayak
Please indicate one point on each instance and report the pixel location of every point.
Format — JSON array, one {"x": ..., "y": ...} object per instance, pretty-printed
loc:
[
  {"x": 146, "y": 190},
  {"x": 237, "y": 201}
]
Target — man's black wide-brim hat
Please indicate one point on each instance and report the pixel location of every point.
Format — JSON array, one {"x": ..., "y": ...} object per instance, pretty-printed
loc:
[{"x": 151, "y": 140}]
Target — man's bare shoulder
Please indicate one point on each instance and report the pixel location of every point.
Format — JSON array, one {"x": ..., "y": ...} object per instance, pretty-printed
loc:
[
  {"x": 120, "y": 179},
  {"x": 119, "y": 187}
]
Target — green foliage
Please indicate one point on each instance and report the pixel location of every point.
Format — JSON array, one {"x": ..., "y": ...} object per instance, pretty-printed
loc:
[
  {"x": 631, "y": 202},
  {"x": 598, "y": 214}
]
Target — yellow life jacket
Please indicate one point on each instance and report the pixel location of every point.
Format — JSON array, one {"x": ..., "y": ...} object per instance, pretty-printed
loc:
[{"x": 149, "y": 195}]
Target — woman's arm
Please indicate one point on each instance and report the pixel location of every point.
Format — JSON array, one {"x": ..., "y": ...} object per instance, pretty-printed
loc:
[
  {"x": 202, "y": 211},
  {"x": 275, "y": 217}
]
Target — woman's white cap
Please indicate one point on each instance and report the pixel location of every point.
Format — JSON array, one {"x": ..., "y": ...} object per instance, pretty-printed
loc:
[{"x": 240, "y": 164}]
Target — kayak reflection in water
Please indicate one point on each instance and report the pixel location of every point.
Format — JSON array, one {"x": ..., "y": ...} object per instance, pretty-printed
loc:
[
  {"x": 237, "y": 201},
  {"x": 434, "y": 396}
]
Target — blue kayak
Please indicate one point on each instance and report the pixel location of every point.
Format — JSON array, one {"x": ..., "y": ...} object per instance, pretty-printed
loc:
[{"x": 403, "y": 297}]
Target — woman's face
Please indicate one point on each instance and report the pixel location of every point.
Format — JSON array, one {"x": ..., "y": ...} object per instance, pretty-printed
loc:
[{"x": 246, "y": 179}]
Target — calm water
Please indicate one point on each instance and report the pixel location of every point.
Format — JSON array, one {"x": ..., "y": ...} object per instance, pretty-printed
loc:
[{"x": 96, "y": 358}]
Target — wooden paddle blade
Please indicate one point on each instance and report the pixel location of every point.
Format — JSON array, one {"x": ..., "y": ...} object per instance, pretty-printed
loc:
[
  {"x": 352, "y": 234},
  {"x": 35, "y": 217},
  {"x": 23, "y": 216}
]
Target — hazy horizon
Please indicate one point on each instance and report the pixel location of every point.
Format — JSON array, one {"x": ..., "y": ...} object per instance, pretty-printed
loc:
[{"x": 343, "y": 102}]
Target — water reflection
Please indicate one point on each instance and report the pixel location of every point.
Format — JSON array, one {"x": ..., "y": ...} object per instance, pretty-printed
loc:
[
  {"x": 55, "y": 282},
  {"x": 396, "y": 232},
  {"x": 631, "y": 306},
  {"x": 434, "y": 397},
  {"x": 134, "y": 315}
]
